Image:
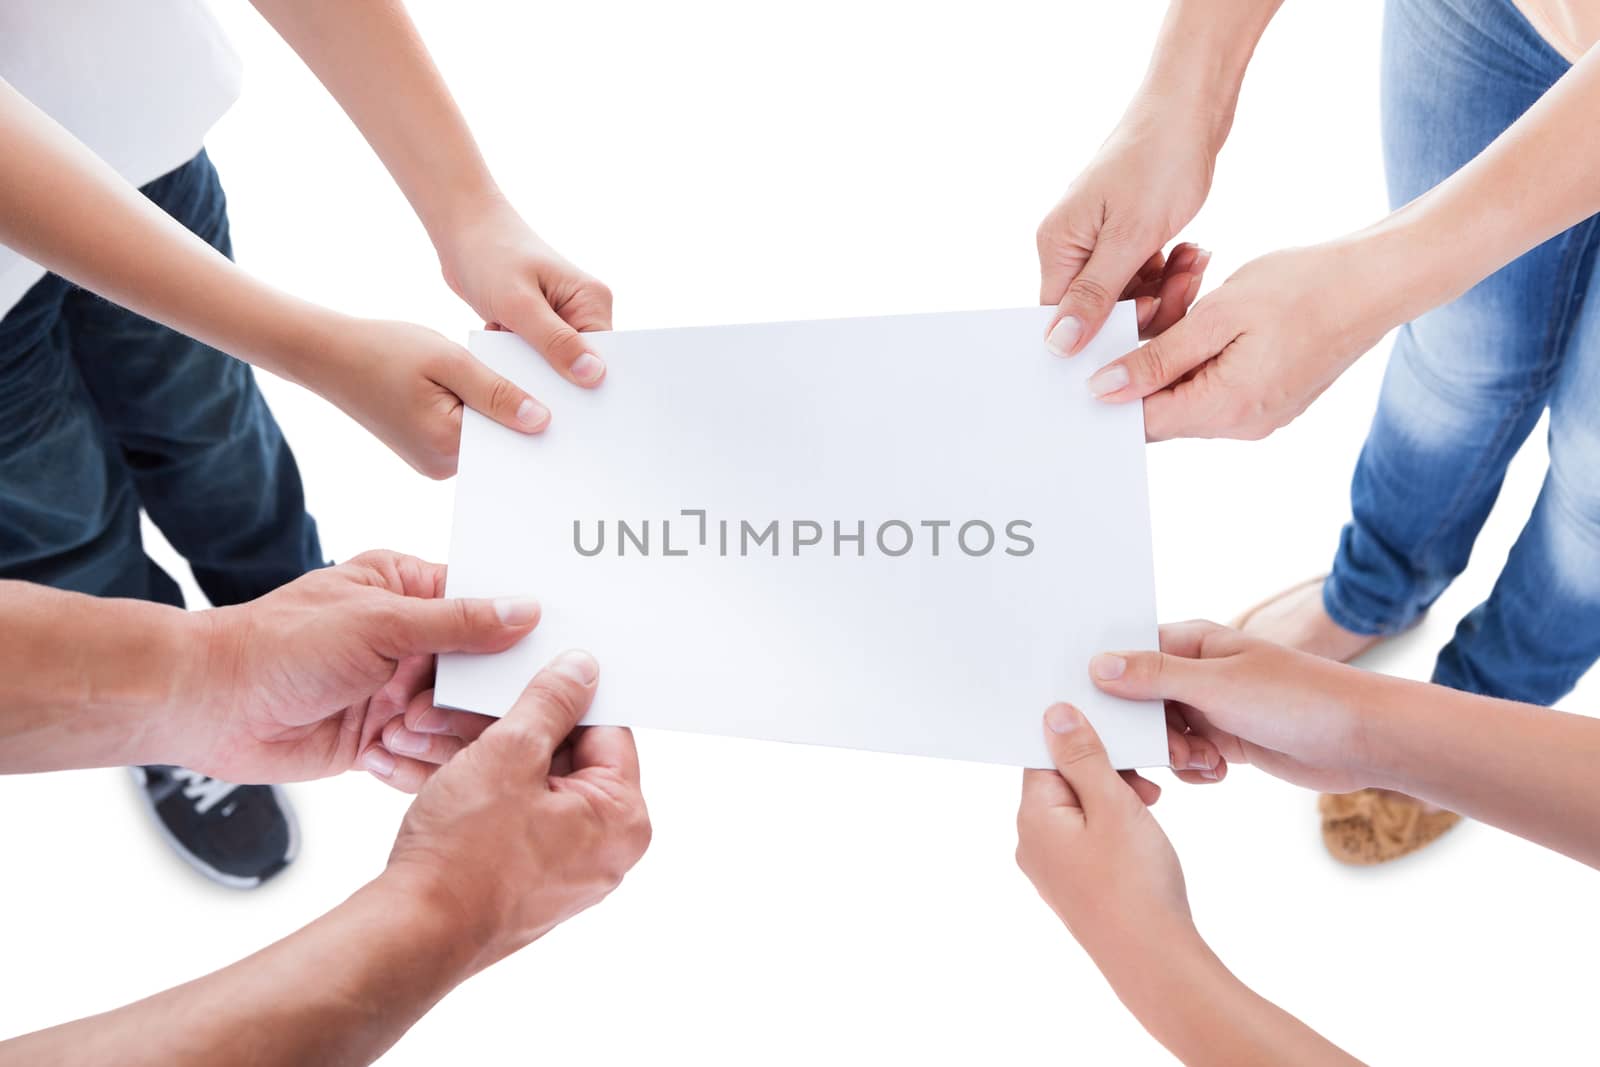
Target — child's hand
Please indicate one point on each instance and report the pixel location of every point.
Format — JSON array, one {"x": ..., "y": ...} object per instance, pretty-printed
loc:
[
  {"x": 516, "y": 282},
  {"x": 408, "y": 385},
  {"x": 1093, "y": 850},
  {"x": 1296, "y": 716}
]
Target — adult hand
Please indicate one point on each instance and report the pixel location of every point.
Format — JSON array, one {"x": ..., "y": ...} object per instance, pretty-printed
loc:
[
  {"x": 1254, "y": 353},
  {"x": 1103, "y": 241},
  {"x": 515, "y": 281},
  {"x": 302, "y": 682},
  {"x": 528, "y": 826},
  {"x": 1093, "y": 850},
  {"x": 1296, "y": 716}
]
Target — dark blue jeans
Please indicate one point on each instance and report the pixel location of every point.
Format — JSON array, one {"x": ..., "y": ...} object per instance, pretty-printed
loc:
[
  {"x": 1468, "y": 382},
  {"x": 103, "y": 412}
]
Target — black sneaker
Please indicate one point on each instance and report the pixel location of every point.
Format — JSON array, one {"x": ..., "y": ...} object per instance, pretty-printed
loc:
[{"x": 238, "y": 835}]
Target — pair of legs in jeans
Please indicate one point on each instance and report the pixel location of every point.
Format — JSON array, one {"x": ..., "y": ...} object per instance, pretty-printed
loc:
[
  {"x": 104, "y": 413},
  {"x": 1466, "y": 384}
]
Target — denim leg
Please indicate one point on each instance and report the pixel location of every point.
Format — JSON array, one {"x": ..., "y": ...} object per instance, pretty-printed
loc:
[
  {"x": 209, "y": 463},
  {"x": 1467, "y": 382},
  {"x": 1539, "y": 631},
  {"x": 69, "y": 516}
]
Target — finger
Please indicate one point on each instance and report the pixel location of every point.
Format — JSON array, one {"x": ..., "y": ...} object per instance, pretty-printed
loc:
[
  {"x": 1154, "y": 365},
  {"x": 1081, "y": 758},
  {"x": 1195, "y": 407},
  {"x": 406, "y": 775},
  {"x": 1146, "y": 790},
  {"x": 558, "y": 341},
  {"x": 428, "y": 748},
  {"x": 1092, "y": 293},
  {"x": 1147, "y": 275},
  {"x": 1173, "y": 294},
  {"x": 548, "y": 710},
  {"x": 606, "y": 747},
  {"x": 1043, "y": 789},
  {"x": 1188, "y": 751},
  {"x": 491, "y": 394},
  {"x": 415, "y": 625},
  {"x": 1187, "y": 639},
  {"x": 424, "y": 717},
  {"x": 1145, "y": 310},
  {"x": 1151, "y": 676}
]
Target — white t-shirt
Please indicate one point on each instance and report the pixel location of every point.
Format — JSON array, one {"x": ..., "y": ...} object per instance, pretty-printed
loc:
[{"x": 140, "y": 82}]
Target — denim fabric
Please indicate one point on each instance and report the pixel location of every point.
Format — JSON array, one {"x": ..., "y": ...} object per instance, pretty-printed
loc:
[
  {"x": 103, "y": 412},
  {"x": 1467, "y": 382}
]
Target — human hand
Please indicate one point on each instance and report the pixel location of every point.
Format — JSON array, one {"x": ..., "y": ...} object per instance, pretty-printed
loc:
[
  {"x": 1254, "y": 353},
  {"x": 517, "y": 282},
  {"x": 1093, "y": 850},
  {"x": 532, "y": 822},
  {"x": 1103, "y": 241},
  {"x": 1296, "y": 716},
  {"x": 408, "y": 386},
  {"x": 301, "y": 683}
]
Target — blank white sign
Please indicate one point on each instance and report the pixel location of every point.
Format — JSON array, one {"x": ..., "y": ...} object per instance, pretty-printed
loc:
[{"x": 906, "y": 534}]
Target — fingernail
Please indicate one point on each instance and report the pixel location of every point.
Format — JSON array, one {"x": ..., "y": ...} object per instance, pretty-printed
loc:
[
  {"x": 1150, "y": 312},
  {"x": 1108, "y": 379},
  {"x": 1063, "y": 335},
  {"x": 378, "y": 762},
  {"x": 577, "y": 665},
  {"x": 1107, "y": 667},
  {"x": 433, "y": 721},
  {"x": 1210, "y": 775},
  {"x": 1063, "y": 718},
  {"x": 1201, "y": 260},
  {"x": 1199, "y": 762},
  {"x": 408, "y": 744},
  {"x": 588, "y": 368},
  {"x": 1194, "y": 289},
  {"x": 532, "y": 415},
  {"x": 516, "y": 610}
]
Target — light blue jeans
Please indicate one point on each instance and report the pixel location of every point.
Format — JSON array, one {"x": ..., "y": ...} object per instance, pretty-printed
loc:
[{"x": 1466, "y": 384}]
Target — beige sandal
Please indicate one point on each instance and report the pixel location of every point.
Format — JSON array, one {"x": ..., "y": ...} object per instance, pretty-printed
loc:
[
  {"x": 1375, "y": 826},
  {"x": 1239, "y": 622}
]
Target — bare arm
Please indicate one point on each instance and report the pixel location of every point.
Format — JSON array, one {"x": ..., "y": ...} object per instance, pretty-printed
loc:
[
  {"x": 1260, "y": 348},
  {"x": 340, "y": 991},
  {"x": 1105, "y": 239},
  {"x": 369, "y": 57},
  {"x": 1098, "y": 858},
  {"x": 67, "y": 210}
]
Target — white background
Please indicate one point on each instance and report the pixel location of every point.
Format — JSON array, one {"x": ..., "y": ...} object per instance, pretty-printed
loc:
[{"x": 741, "y": 161}]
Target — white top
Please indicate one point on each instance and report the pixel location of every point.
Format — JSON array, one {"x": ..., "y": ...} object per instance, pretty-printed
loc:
[{"x": 139, "y": 83}]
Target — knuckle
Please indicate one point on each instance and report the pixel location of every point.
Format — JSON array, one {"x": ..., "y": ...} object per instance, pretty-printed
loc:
[
  {"x": 504, "y": 397},
  {"x": 1079, "y": 752},
  {"x": 1089, "y": 291},
  {"x": 561, "y": 339}
]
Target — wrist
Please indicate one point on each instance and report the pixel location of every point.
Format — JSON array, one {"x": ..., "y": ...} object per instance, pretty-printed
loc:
[
  {"x": 460, "y": 927},
  {"x": 1199, "y": 62}
]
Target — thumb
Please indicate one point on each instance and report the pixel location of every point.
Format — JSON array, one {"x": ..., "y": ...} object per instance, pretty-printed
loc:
[
  {"x": 1081, "y": 759},
  {"x": 1152, "y": 676},
  {"x": 1155, "y": 364},
  {"x": 1093, "y": 292},
  {"x": 558, "y": 341},
  {"x": 547, "y": 712},
  {"x": 488, "y": 393},
  {"x": 414, "y": 626}
]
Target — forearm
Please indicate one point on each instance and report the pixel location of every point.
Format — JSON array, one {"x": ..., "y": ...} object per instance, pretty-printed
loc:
[
  {"x": 369, "y": 57},
  {"x": 67, "y": 210},
  {"x": 1534, "y": 181},
  {"x": 340, "y": 991},
  {"x": 1199, "y": 61},
  {"x": 90, "y": 682},
  {"x": 1526, "y": 769},
  {"x": 1190, "y": 1002}
]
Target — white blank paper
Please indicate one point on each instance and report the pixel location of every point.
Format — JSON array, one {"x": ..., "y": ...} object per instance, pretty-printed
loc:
[{"x": 680, "y": 523}]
